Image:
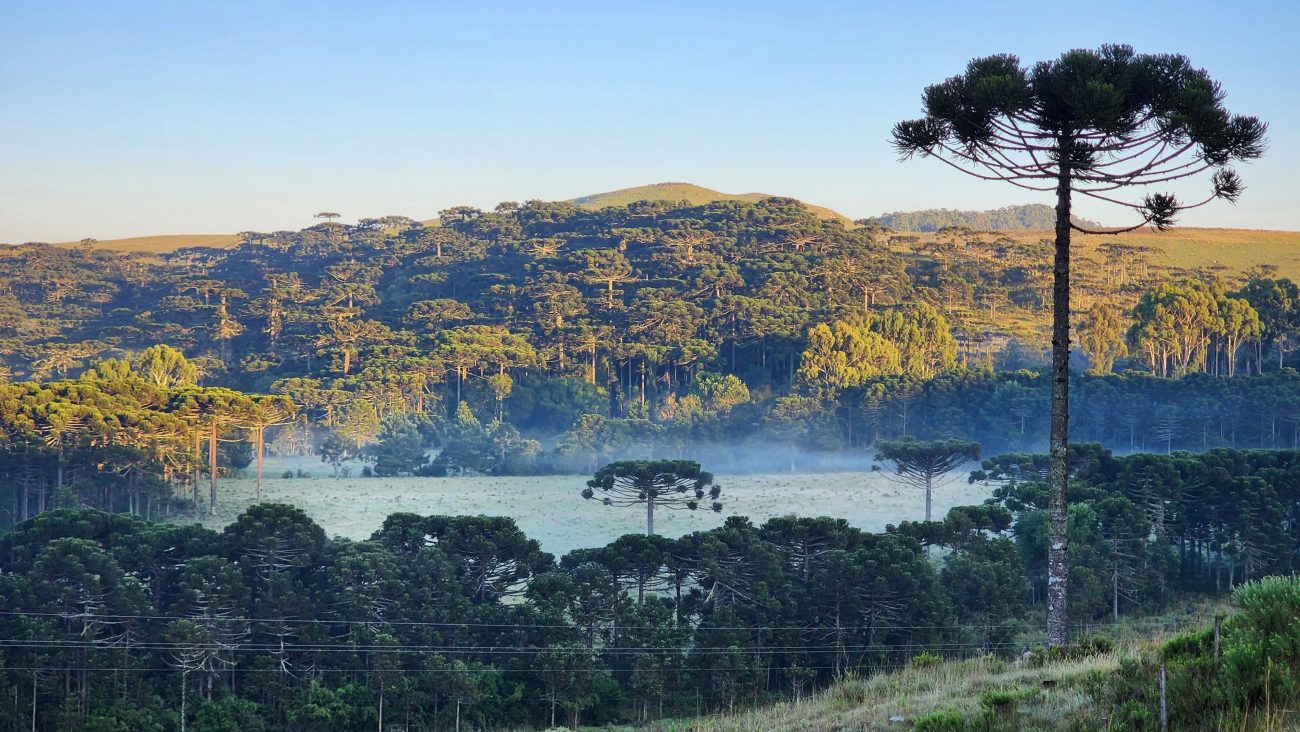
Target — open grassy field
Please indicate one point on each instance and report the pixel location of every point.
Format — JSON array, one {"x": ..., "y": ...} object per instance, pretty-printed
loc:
[
  {"x": 162, "y": 243},
  {"x": 551, "y": 509},
  {"x": 1237, "y": 250}
]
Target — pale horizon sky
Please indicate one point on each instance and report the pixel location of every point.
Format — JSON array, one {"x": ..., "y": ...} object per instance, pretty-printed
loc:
[{"x": 139, "y": 118}]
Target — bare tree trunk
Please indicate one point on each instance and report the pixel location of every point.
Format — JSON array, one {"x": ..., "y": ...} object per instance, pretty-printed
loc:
[
  {"x": 183, "y": 685},
  {"x": 649, "y": 515},
  {"x": 212, "y": 470},
  {"x": 929, "y": 489},
  {"x": 261, "y": 449},
  {"x": 1058, "y": 467}
]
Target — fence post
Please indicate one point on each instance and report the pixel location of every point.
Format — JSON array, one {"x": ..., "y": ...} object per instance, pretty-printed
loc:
[
  {"x": 1218, "y": 639},
  {"x": 1164, "y": 704}
]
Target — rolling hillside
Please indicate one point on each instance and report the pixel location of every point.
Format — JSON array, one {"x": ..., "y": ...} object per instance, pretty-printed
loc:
[
  {"x": 1232, "y": 250},
  {"x": 695, "y": 195},
  {"x": 162, "y": 243}
]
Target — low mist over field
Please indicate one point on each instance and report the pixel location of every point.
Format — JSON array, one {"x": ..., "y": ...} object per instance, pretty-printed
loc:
[{"x": 550, "y": 509}]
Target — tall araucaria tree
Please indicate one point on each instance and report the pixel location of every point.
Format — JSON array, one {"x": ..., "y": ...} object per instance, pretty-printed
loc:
[{"x": 1104, "y": 124}]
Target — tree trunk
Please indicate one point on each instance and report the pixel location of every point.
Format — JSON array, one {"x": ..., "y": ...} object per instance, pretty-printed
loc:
[
  {"x": 261, "y": 445},
  {"x": 1114, "y": 591},
  {"x": 929, "y": 489},
  {"x": 183, "y": 701},
  {"x": 212, "y": 470},
  {"x": 1058, "y": 468},
  {"x": 649, "y": 515}
]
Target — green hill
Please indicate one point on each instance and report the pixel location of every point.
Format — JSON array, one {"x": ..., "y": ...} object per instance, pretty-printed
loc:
[{"x": 689, "y": 192}]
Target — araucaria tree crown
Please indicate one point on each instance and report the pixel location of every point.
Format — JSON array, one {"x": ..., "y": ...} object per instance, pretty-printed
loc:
[
  {"x": 1103, "y": 124},
  {"x": 671, "y": 484},
  {"x": 1109, "y": 119}
]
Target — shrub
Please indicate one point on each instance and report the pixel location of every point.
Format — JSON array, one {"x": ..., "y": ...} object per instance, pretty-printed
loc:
[
  {"x": 1261, "y": 642},
  {"x": 1086, "y": 647},
  {"x": 849, "y": 691},
  {"x": 288, "y": 474},
  {"x": 925, "y": 660},
  {"x": 943, "y": 720},
  {"x": 1004, "y": 701}
]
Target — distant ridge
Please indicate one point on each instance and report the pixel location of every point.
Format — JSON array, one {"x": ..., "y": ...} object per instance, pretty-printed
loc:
[
  {"x": 689, "y": 192},
  {"x": 1007, "y": 218}
]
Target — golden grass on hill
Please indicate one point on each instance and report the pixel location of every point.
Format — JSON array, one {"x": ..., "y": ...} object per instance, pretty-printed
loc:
[
  {"x": 1237, "y": 250},
  {"x": 161, "y": 244},
  {"x": 689, "y": 192}
]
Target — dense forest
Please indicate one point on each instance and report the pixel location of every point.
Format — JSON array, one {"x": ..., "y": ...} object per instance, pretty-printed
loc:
[
  {"x": 118, "y": 623},
  {"x": 543, "y": 337},
  {"x": 1034, "y": 216}
]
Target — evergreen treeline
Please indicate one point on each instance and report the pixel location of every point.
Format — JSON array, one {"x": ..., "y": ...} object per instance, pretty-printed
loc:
[
  {"x": 1036, "y": 216},
  {"x": 543, "y": 337},
  {"x": 141, "y": 437},
  {"x": 112, "y": 622}
]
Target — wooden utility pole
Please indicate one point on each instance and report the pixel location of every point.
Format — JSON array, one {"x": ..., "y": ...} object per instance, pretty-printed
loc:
[{"x": 1164, "y": 702}]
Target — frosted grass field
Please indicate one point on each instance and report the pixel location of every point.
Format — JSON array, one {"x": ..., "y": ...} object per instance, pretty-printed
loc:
[{"x": 551, "y": 509}]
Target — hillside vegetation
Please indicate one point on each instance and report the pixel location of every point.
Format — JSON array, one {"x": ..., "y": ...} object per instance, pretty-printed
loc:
[
  {"x": 1095, "y": 685},
  {"x": 161, "y": 244},
  {"x": 688, "y": 192},
  {"x": 1007, "y": 218},
  {"x": 573, "y": 335}
]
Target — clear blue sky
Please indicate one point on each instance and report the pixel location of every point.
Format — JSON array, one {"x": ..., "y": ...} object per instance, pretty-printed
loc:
[{"x": 134, "y": 118}]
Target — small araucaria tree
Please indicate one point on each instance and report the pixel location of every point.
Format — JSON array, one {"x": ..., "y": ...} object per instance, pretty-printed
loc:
[
  {"x": 923, "y": 464},
  {"x": 1096, "y": 123},
  {"x": 672, "y": 484}
]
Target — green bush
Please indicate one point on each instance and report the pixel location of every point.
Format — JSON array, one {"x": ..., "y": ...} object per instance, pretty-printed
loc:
[
  {"x": 1004, "y": 701},
  {"x": 925, "y": 660},
  {"x": 1261, "y": 642},
  {"x": 943, "y": 720},
  {"x": 849, "y": 691}
]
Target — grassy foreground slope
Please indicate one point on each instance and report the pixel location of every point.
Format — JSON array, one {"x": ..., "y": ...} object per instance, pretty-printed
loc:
[
  {"x": 1248, "y": 678},
  {"x": 1046, "y": 697}
]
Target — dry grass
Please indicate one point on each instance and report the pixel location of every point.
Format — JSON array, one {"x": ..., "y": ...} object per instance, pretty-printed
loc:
[
  {"x": 1237, "y": 250},
  {"x": 1048, "y": 695},
  {"x": 693, "y": 194},
  {"x": 163, "y": 243},
  {"x": 551, "y": 509}
]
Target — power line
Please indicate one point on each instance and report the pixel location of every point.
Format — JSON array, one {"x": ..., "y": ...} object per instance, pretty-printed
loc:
[
  {"x": 482, "y": 650},
  {"x": 546, "y": 626}
]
